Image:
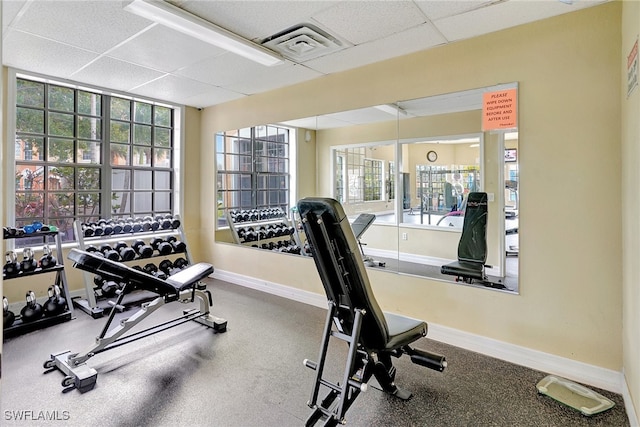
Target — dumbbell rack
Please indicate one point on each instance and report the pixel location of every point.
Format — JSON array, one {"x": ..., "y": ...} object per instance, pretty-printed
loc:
[
  {"x": 19, "y": 326},
  {"x": 97, "y": 306},
  {"x": 235, "y": 227}
]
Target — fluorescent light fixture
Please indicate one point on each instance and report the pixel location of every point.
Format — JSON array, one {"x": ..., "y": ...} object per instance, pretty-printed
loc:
[
  {"x": 392, "y": 109},
  {"x": 180, "y": 20}
]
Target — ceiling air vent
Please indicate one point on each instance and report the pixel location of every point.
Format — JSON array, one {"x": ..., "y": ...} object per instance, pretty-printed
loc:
[{"x": 303, "y": 42}]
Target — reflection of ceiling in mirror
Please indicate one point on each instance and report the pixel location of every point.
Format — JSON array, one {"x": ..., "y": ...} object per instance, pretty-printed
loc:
[{"x": 455, "y": 102}]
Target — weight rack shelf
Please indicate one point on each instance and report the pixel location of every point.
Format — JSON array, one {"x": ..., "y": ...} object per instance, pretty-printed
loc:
[
  {"x": 19, "y": 326},
  {"x": 255, "y": 223},
  {"x": 96, "y": 305}
]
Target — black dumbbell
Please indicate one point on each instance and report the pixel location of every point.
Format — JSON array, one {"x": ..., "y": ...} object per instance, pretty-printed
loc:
[
  {"x": 8, "y": 317},
  {"x": 92, "y": 249},
  {"x": 87, "y": 230},
  {"x": 107, "y": 228},
  {"x": 28, "y": 262},
  {"x": 12, "y": 266},
  {"x": 150, "y": 268},
  {"x": 165, "y": 248},
  {"x": 165, "y": 224},
  {"x": 98, "y": 280},
  {"x": 126, "y": 253},
  {"x": 180, "y": 263},
  {"x": 33, "y": 310},
  {"x": 177, "y": 245},
  {"x": 109, "y": 252},
  {"x": 175, "y": 222},
  {"x": 47, "y": 260},
  {"x": 166, "y": 266},
  {"x": 142, "y": 249},
  {"x": 118, "y": 227},
  {"x": 109, "y": 288},
  {"x": 56, "y": 304}
]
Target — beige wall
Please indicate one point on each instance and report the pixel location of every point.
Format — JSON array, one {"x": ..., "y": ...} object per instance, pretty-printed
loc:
[
  {"x": 570, "y": 245},
  {"x": 630, "y": 206}
]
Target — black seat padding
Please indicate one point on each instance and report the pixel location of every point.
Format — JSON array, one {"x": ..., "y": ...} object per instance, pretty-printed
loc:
[
  {"x": 472, "y": 247},
  {"x": 348, "y": 287},
  {"x": 362, "y": 224},
  {"x": 120, "y": 272}
]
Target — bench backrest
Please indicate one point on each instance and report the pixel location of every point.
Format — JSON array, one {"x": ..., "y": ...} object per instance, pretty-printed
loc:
[
  {"x": 473, "y": 242},
  {"x": 341, "y": 269}
]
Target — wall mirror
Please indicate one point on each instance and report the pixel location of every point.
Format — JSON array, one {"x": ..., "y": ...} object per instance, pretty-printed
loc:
[{"x": 410, "y": 166}]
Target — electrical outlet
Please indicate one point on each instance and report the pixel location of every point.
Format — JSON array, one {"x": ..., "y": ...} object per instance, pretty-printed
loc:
[{"x": 404, "y": 236}]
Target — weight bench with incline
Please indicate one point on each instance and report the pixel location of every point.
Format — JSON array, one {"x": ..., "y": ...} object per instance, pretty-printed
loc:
[
  {"x": 184, "y": 287},
  {"x": 359, "y": 226},
  {"x": 354, "y": 317},
  {"x": 472, "y": 247}
]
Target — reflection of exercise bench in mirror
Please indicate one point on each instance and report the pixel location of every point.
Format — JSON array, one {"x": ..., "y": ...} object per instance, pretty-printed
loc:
[
  {"x": 355, "y": 317},
  {"x": 184, "y": 287},
  {"x": 359, "y": 226},
  {"x": 472, "y": 247}
]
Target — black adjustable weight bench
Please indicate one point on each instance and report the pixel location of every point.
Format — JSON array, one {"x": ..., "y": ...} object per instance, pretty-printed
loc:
[
  {"x": 359, "y": 226},
  {"x": 472, "y": 247},
  {"x": 353, "y": 317},
  {"x": 184, "y": 287}
]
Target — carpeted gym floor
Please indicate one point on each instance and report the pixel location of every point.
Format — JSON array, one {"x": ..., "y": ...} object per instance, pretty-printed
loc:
[{"x": 252, "y": 375}]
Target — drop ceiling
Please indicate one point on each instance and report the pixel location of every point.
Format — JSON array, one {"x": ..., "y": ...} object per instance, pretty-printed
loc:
[{"x": 98, "y": 43}]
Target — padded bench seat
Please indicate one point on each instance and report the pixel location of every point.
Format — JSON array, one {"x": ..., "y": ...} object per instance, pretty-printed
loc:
[
  {"x": 471, "y": 270},
  {"x": 117, "y": 271}
]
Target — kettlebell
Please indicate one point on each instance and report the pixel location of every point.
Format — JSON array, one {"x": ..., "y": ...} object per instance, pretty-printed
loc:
[
  {"x": 8, "y": 316},
  {"x": 28, "y": 263},
  {"x": 33, "y": 310},
  {"x": 56, "y": 303},
  {"x": 47, "y": 260},
  {"x": 11, "y": 267}
]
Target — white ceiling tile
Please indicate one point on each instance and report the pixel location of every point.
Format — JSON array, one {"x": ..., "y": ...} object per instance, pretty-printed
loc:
[
  {"x": 362, "y": 116},
  {"x": 10, "y": 10},
  {"x": 216, "y": 96},
  {"x": 164, "y": 49},
  {"x": 172, "y": 87},
  {"x": 92, "y": 25},
  {"x": 437, "y": 9},
  {"x": 273, "y": 78},
  {"x": 412, "y": 40},
  {"x": 42, "y": 55},
  {"x": 226, "y": 69},
  {"x": 256, "y": 20},
  {"x": 504, "y": 15},
  {"x": 114, "y": 74},
  {"x": 363, "y": 21}
]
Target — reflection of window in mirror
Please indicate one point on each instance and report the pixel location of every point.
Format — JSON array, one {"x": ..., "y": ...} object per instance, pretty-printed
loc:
[
  {"x": 253, "y": 169},
  {"x": 361, "y": 177},
  {"x": 391, "y": 182},
  {"x": 440, "y": 183}
]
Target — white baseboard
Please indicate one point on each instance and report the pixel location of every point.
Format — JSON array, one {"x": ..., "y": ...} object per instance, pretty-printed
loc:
[
  {"x": 595, "y": 376},
  {"x": 634, "y": 421}
]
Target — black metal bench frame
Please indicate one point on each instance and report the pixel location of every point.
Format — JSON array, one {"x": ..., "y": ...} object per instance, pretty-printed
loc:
[
  {"x": 184, "y": 287},
  {"x": 354, "y": 317}
]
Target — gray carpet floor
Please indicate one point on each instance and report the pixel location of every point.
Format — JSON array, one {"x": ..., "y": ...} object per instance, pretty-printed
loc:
[{"x": 252, "y": 375}]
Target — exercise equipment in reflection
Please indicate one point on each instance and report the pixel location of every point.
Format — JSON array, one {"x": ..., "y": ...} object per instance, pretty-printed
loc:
[
  {"x": 373, "y": 337},
  {"x": 359, "y": 226},
  {"x": 472, "y": 247}
]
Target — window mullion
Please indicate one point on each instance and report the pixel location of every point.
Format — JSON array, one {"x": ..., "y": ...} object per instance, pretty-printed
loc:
[{"x": 105, "y": 189}]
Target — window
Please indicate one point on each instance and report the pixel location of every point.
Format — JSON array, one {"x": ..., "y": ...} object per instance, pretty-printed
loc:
[
  {"x": 60, "y": 146},
  {"x": 373, "y": 176},
  {"x": 253, "y": 169},
  {"x": 364, "y": 176}
]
